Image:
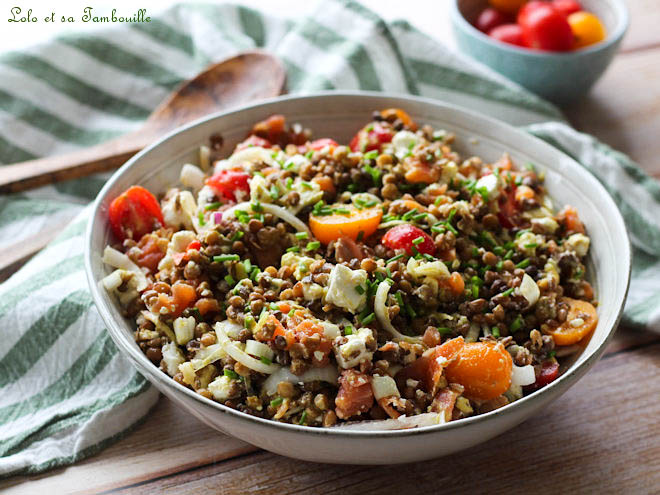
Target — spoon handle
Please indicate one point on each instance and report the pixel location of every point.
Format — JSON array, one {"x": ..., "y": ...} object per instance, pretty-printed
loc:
[{"x": 102, "y": 157}]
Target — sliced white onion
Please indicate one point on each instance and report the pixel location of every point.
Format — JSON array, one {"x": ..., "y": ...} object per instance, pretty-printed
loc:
[
  {"x": 380, "y": 308},
  {"x": 523, "y": 375},
  {"x": 230, "y": 328},
  {"x": 113, "y": 281},
  {"x": 400, "y": 423},
  {"x": 207, "y": 356},
  {"x": 118, "y": 259},
  {"x": 278, "y": 211},
  {"x": 192, "y": 176},
  {"x": 258, "y": 349},
  {"x": 326, "y": 374},
  {"x": 231, "y": 348},
  {"x": 205, "y": 157}
]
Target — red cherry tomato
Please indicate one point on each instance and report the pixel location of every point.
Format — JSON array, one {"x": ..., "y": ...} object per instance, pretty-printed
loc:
[
  {"x": 134, "y": 213},
  {"x": 402, "y": 237},
  {"x": 567, "y": 7},
  {"x": 549, "y": 373},
  {"x": 226, "y": 182},
  {"x": 372, "y": 137},
  {"x": 508, "y": 33},
  {"x": 319, "y": 144},
  {"x": 253, "y": 141},
  {"x": 544, "y": 27},
  {"x": 491, "y": 18}
]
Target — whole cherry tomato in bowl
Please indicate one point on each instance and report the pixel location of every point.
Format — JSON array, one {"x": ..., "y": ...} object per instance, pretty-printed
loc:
[
  {"x": 567, "y": 7},
  {"x": 544, "y": 27},
  {"x": 490, "y": 18},
  {"x": 508, "y": 33}
]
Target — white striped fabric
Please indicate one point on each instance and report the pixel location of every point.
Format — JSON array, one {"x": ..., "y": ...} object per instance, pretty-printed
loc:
[{"x": 66, "y": 392}]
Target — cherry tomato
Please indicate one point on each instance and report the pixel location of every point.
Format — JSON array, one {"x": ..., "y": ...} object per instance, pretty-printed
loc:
[
  {"x": 226, "y": 182},
  {"x": 253, "y": 141},
  {"x": 134, "y": 213},
  {"x": 567, "y": 7},
  {"x": 549, "y": 373},
  {"x": 491, "y": 18},
  {"x": 508, "y": 33},
  {"x": 319, "y": 144},
  {"x": 509, "y": 6},
  {"x": 508, "y": 209},
  {"x": 544, "y": 27},
  {"x": 402, "y": 237},
  {"x": 586, "y": 28},
  {"x": 372, "y": 137}
]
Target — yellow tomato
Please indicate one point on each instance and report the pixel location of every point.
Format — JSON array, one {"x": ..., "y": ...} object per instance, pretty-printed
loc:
[
  {"x": 586, "y": 28},
  {"x": 508, "y": 6},
  {"x": 346, "y": 221}
]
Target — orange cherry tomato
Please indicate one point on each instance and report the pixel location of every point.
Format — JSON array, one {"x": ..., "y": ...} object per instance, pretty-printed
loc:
[
  {"x": 422, "y": 173},
  {"x": 388, "y": 113},
  {"x": 587, "y": 29},
  {"x": 328, "y": 228},
  {"x": 325, "y": 183},
  {"x": 454, "y": 283},
  {"x": 569, "y": 217},
  {"x": 524, "y": 192},
  {"x": 580, "y": 322},
  {"x": 508, "y": 6},
  {"x": 483, "y": 368}
]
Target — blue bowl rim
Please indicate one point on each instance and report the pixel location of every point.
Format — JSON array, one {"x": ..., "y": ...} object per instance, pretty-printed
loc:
[{"x": 623, "y": 22}]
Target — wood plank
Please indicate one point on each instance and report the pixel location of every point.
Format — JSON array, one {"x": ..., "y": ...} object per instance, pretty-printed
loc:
[
  {"x": 644, "y": 20},
  {"x": 170, "y": 443},
  {"x": 623, "y": 110},
  {"x": 602, "y": 435}
]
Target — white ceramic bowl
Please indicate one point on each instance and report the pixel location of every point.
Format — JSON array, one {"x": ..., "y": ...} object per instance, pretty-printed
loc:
[{"x": 339, "y": 116}]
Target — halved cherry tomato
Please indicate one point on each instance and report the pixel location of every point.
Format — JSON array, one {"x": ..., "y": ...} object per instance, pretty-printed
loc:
[
  {"x": 397, "y": 113},
  {"x": 319, "y": 144},
  {"x": 524, "y": 192},
  {"x": 491, "y": 18},
  {"x": 355, "y": 395},
  {"x": 329, "y": 228},
  {"x": 134, "y": 213},
  {"x": 226, "y": 182},
  {"x": 483, "y": 368},
  {"x": 544, "y": 27},
  {"x": 580, "y": 322},
  {"x": 371, "y": 137},
  {"x": 508, "y": 33},
  {"x": 509, "y": 6},
  {"x": 179, "y": 257},
  {"x": 423, "y": 173},
  {"x": 567, "y": 7},
  {"x": 587, "y": 29},
  {"x": 325, "y": 183},
  {"x": 549, "y": 373},
  {"x": 253, "y": 141},
  {"x": 402, "y": 237}
]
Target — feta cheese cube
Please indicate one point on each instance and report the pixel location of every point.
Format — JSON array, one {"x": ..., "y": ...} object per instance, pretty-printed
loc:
[
  {"x": 223, "y": 388},
  {"x": 491, "y": 184},
  {"x": 172, "y": 357},
  {"x": 184, "y": 329},
  {"x": 355, "y": 349},
  {"x": 341, "y": 288},
  {"x": 578, "y": 243},
  {"x": 529, "y": 290}
]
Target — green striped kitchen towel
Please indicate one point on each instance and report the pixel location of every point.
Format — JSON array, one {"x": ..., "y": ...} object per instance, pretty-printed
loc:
[{"x": 66, "y": 393}]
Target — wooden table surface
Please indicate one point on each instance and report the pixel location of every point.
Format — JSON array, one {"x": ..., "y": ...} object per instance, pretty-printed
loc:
[{"x": 602, "y": 436}]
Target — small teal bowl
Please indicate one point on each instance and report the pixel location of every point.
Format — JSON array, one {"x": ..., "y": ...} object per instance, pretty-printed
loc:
[{"x": 559, "y": 77}]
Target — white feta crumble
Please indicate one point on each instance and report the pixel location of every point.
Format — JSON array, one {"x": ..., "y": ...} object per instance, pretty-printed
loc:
[
  {"x": 527, "y": 243},
  {"x": 184, "y": 329},
  {"x": 222, "y": 388},
  {"x": 354, "y": 351},
  {"x": 578, "y": 243},
  {"x": 489, "y": 183},
  {"x": 172, "y": 357},
  {"x": 547, "y": 225},
  {"x": 341, "y": 288},
  {"x": 192, "y": 176},
  {"x": 403, "y": 142},
  {"x": 179, "y": 210}
]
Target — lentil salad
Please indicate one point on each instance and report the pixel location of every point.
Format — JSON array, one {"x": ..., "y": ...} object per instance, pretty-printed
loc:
[{"x": 308, "y": 282}]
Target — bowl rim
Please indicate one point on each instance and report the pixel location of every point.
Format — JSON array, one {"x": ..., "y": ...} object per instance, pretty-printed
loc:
[
  {"x": 154, "y": 374},
  {"x": 622, "y": 25}
]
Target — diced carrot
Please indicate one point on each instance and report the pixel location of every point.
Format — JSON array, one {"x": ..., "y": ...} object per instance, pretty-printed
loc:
[
  {"x": 269, "y": 170},
  {"x": 280, "y": 330},
  {"x": 329, "y": 228},
  {"x": 183, "y": 295},
  {"x": 444, "y": 403},
  {"x": 284, "y": 307},
  {"x": 524, "y": 192},
  {"x": 207, "y": 305},
  {"x": 325, "y": 183},
  {"x": 152, "y": 251},
  {"x": 504, "y": 163},
  {"x": 388, "y": 113},
  {"x": 454, "y": 283},
  {"x": 569, "y": 217},
  {"x": 386, "y": 404},
  {"x": 422, "y": 173},
  {"x": 580, "y": 322}
]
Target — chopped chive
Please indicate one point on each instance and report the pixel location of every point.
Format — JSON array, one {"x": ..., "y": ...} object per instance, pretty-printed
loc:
[
  {"x": 230, "y": 280},
  {"x": 428, "y": 257},
  {"x": 508, "y": 292},
  {"x": 352, "y": 188},
  {"x": 509, "y": 254},
  {"x": 348, "y": 330},
  {"x": 369, "y": 318},
  {"x": 248, "y": 321},
  {"x": 254, "y": 273},
  {"x": 399, "y": 299},
  {"x": 311, "y": 246},
  {"x": 452, "y": 213},
  {"x": 530, "y": 245},
  {"x": 444, "y": 330},
  {"x": 341, "y": 211},
  {"x": 394, "y": 258},
  {"x": 248, "y": 265},
  {"x": 301, "y": 235},
  {"x": 417, "y": 241},
  {"x": 370, "y": 155},
  {"x": 293, "y": 249},
  {"x": 499, "y": 265},
  {"x": 309, "y": 154},
  {"x": 524, "y": 263},
  {"x": 517, "y": 323},
  {"x": 419, "y": 217},
  {"x": 498, "y": 250},
  {"x": 496, "y": 332},
  {"x": 274, "y": 307},
  {"x": 408, "y": 215},
  {"x": 530, "y": 166},
  {"x": 276, "y": 402},
  {"x": 226, "y": 257},
  {"x": 274, "y": 192},
  {"x": 375, "y": 174},
  {"x": 289, "y": 182},
  {"x": 237, "y": 235},
  {"x": 256, "y": 207},
  {"x": 242, "y": 216},
  {"x": 475, "y": 291},
  {"x": 231, "y": 374},
  {"x": 451, "y": 228},
  {"x": 411, "y": 312},
  {"x": 359, "y": 289},
  {"x": 265, "y": 360},
  {"x": 200, "y": 216},
  {"x": 552, "y": 354},
  {"x": 438, "y": 228},
  {"x": 303, "y": 418},
  {"x": 475, "y": 251},
  {"x": 213, "y": 206},
  {"x": 306, "y": 185}
]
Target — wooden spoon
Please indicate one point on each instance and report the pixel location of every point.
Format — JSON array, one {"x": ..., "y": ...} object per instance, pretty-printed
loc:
[{"x": 243, "y": 78}]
